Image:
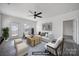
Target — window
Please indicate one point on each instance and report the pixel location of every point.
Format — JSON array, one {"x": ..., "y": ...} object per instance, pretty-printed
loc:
[
  {"x": 26, "y": 29},
  {"x": 14, "y": 29}
]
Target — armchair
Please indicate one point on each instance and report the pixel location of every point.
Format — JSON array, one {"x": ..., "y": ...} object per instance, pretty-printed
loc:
[{"x": 54, "y": 46}]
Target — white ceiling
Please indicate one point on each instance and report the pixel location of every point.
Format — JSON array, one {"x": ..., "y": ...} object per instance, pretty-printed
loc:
[
  {"x": 48, "y": 9},
  {"x": 17, "y": 9},
  {"x": 54, "y": 9}
]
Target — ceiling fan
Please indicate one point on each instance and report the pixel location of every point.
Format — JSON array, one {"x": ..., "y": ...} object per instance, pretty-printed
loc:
[{"x": 36, "y": 14}]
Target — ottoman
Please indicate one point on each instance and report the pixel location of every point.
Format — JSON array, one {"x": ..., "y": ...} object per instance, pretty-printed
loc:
[{"x": 21, "y": 49}]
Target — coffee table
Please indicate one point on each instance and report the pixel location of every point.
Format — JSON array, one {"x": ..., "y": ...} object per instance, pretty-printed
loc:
[{"x": 33, "y": 40}]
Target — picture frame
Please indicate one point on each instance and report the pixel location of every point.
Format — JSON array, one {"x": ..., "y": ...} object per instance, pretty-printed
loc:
[{"x": 47, "y": 26}]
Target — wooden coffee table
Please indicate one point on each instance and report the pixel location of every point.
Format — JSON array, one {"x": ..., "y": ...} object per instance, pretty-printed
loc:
[{"x": 33, "y": 40}]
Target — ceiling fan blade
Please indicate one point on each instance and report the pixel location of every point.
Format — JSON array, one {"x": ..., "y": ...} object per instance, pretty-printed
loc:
[
  {"x": 39, "y": 16},
  {"x": 39, "y": 13},
  {"x": 31, "y": 12}
]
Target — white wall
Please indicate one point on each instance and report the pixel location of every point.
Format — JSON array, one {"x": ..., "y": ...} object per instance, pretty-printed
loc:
[
  {"x": 56, "y": 27},
  {"x": 0, "y": 25},
  {"x": 7, "y": 20},
  {"x": 78, "y": 32},
  {"x": 68, "y": 28},
  {"x": 58, "y": 23}
]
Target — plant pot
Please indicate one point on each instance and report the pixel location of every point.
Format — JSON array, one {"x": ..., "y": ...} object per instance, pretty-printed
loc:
[{"x": 6, "y": 39}]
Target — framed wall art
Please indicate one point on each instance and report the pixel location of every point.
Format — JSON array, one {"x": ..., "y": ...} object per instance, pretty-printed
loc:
[{"x": 47, "y": 26}]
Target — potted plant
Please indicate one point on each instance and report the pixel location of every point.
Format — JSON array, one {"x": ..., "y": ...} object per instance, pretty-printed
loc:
[{"x": 5, "y": 33}]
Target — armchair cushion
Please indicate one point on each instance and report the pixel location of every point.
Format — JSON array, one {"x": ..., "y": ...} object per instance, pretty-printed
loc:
[
  {"x": 50, "y": 44},
  {"x": 17, "y": 40},
  {"x": 58, "y": 42}
]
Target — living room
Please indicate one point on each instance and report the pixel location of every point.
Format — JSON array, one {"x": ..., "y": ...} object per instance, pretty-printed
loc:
[{"x": 41, "y": 22}]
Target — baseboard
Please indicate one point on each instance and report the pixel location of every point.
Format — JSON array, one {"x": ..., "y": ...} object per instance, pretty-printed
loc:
[{"x": 68, "y": 35}]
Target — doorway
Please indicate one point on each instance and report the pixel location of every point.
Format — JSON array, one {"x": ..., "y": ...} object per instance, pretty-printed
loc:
[{"x": 68, "y": 31}]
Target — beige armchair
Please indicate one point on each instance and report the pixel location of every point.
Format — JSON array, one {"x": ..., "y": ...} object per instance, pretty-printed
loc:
[
  {"x": 53, "y": 47},
  {"x": 17, "y": 41},
  {"x": 21, "y": 49}
]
